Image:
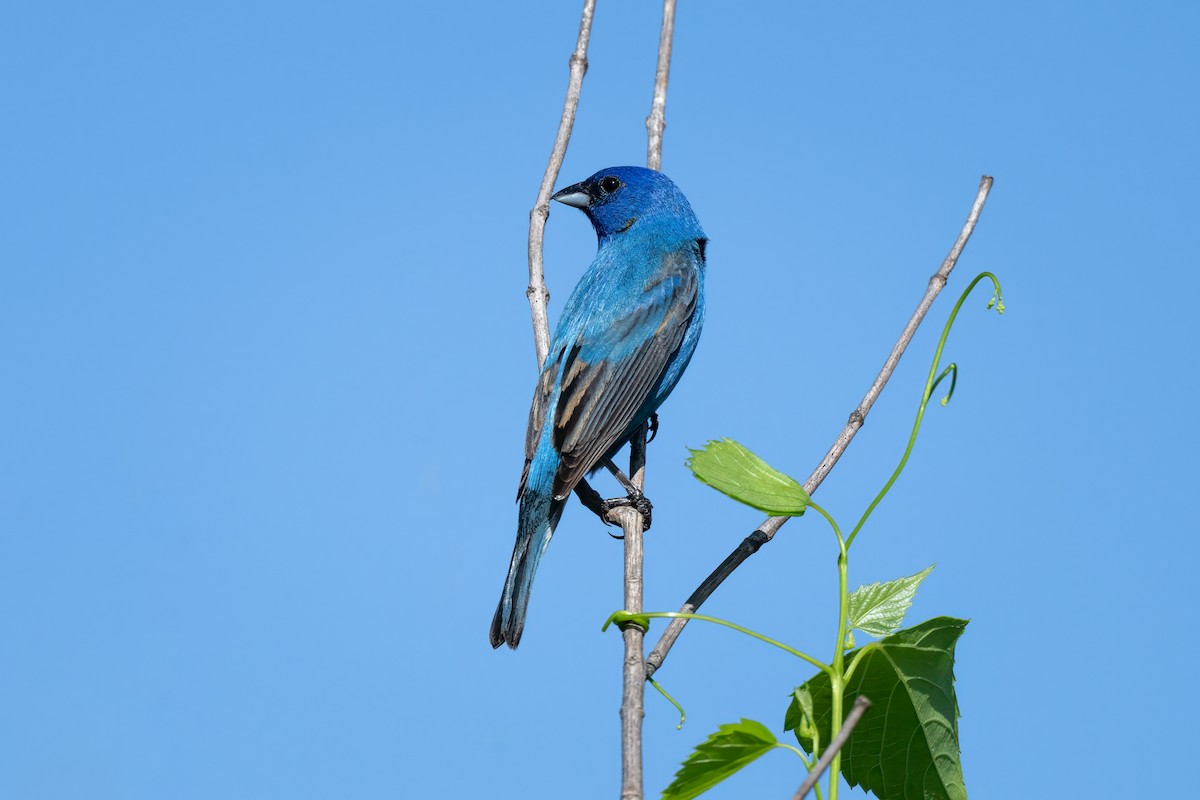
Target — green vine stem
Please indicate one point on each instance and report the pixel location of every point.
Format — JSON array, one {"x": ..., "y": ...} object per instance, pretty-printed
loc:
[
  {"x": 952, "y": 371},
  {"x": 624, "y": 617},
  {"x": 837, "y": 680},
  {"x": 930, "y": 384},
  {"x": 797, "y": 751},
  {"x": 672, "y": 701},
  {"x": 866, "y": 648},
  {"x": 832, "y": 522},
  {"x": 808, "y": 764},
  {"x": 837, "y": 674}
]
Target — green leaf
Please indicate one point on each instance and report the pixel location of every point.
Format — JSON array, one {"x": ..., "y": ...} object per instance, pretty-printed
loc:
[
  {"x": 724, "y": 753},
  {"x": 906, "y": 746},
  {"x": 733, "y": 470},
  {"x": 879, "y": 609}
]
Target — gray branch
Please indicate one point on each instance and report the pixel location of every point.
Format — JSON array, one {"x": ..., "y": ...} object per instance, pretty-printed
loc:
[
  {"x": 634, "y": 667},
  {"x": 861, "y": 704},
  {"x": 767, "y": 530},
  {"x": 536, "y": 292}
]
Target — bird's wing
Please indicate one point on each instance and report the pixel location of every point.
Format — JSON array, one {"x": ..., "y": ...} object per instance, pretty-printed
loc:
[
  {"x": 610, "y": 370},
  {"x": 537, "y": 413}
]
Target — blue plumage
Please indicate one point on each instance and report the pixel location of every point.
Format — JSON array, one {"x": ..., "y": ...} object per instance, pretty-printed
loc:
[{"x": 625, "y": 337}]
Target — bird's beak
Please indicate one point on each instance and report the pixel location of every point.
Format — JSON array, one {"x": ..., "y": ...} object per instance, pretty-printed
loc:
[{"x": 574, "y": 195}]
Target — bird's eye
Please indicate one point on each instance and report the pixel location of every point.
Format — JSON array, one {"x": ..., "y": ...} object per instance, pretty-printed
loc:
[{"x": 610, "y": 184}]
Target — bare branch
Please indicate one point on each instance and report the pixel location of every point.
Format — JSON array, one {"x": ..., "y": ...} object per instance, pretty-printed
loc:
[
  {"x": 634, "y": 668},
  {"x": 536, "y": 292},
  {"x": 767, "y": 530},
  {"x": 656, "y": 123},
  {"x": 861, "y": 704}
]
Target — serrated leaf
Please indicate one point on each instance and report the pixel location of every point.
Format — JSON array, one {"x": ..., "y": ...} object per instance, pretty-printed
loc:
[
  {"x": 879, "y": 609},
  {"x": 735, "y": 471},
  {"x": 732, "y": 747},
  {"x": 906, "y": 746}
]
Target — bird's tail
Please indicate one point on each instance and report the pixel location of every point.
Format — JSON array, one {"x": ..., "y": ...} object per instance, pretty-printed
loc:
[{"x": 537, "y": 518}]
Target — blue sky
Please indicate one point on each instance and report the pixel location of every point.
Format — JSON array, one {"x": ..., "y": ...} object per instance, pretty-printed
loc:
[{"x": 267, "y": 364}]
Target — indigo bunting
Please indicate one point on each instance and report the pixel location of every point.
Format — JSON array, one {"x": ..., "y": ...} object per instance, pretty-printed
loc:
[{"x": 624, "y": 339}]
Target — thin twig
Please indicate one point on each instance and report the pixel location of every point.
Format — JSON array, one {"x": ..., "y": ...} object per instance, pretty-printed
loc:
[
  {"x": 536, "y": 292},
  {"x": 767, "y": 530},
  {"x": 656, "y": 122},
  {"x": 861, "y": 704}
]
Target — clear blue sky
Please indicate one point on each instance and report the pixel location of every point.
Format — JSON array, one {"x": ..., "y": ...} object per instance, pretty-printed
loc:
[{"x": 267, "y": 362}]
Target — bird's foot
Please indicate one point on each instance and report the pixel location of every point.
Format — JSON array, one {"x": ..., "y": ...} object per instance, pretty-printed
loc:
[
  {"x": 635, "y": 500},
  {"x": 653, "y": 428}
]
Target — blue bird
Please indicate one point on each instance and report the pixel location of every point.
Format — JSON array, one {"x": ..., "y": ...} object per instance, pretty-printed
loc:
[{"x": 625, "y": 337}]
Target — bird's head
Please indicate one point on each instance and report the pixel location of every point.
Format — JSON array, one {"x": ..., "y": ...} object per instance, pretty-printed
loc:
[{"x": 616, "y": 198}]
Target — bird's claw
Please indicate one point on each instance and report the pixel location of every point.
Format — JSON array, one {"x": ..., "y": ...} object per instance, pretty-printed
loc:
[
  {"x": 638, "y": 502},
  {"x": 653, "y": 428}
]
